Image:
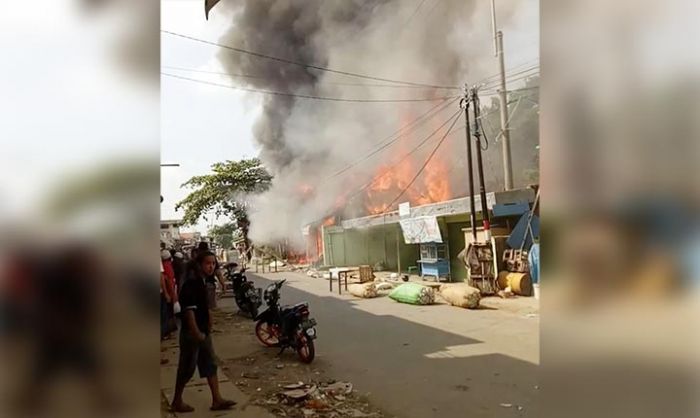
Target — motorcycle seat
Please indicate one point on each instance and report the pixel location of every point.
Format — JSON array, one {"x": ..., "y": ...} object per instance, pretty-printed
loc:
[{"x": 294, "y": 307}]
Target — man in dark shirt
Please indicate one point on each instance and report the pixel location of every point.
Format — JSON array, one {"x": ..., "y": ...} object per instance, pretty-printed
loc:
[
  {"x": 211, "y": 280},
  {"x": 196, "y": 348}
]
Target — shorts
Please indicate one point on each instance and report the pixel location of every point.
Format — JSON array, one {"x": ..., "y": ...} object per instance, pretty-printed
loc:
[
  {"x": 211, "y": 295},
  {"x": 195, "y": 355}
]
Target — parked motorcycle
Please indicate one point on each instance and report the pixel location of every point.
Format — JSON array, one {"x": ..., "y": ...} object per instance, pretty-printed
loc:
[
  {"x": 286, "y": 327},
  {"x": 248, "y": 298}
]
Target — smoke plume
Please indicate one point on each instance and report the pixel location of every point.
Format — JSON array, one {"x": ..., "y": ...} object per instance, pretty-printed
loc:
[{"x": 304, "y": 142}]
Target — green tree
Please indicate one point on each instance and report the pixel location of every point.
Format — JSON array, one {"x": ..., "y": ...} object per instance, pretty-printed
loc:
[
  {"x": 224, "y": 192},
  {"x": 225, "y": 234},
  {"x": 523, "y": 105}
]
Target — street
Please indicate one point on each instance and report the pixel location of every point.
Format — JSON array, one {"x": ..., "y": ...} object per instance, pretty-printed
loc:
[{"x": 418, "y": 362}]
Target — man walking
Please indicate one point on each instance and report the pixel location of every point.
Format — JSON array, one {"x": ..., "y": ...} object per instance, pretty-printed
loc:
[{"x": 196, "y": 348}]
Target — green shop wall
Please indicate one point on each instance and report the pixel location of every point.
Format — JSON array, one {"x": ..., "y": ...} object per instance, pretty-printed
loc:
[
  {"x": 351, "y": 247},
  {"x": 455, "y": 239}
]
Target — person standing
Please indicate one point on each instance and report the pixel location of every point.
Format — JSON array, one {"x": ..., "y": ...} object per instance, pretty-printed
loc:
[
  {"x": 196, "y": 347},
  {"x": 212, "y": 279},
  {"x": 164, "y": 300},
  {"x": 171, "y": 288},
  {"x": 179, "y": 269}
]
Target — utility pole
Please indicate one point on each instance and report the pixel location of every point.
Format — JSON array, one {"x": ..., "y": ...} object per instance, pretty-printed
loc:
[
  {"x": 503, "y": 97},
  {"x": 480, "y": 165},
  {"x": 470, "y": 171}
]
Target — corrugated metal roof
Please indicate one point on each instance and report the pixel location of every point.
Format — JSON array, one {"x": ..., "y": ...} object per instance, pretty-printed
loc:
[{"x": 447, "y": 208}]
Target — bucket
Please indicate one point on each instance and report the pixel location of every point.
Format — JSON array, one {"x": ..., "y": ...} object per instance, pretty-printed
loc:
[{"x": 536, "y": 290}]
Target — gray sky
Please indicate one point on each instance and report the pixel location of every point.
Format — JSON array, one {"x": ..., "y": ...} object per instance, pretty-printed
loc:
[{"x": 200, "y": 124}]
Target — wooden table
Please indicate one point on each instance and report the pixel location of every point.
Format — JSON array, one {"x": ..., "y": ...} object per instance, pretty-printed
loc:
[{"x": 342, "y": 273}]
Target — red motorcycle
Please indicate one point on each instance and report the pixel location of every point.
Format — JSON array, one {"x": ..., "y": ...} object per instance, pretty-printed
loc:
[{"x": 286, "y": 327}]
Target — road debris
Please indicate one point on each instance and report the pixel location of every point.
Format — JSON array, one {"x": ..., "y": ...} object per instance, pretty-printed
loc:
[
  {"x": 294, "y": 390},
  {"x": 506, "y": 405},
  {"x": 337, "y": 388},
  {"x": 300, "y": 393}
]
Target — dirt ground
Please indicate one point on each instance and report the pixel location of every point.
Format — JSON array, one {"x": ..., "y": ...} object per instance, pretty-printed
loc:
[{"x": 282, "y": 384}]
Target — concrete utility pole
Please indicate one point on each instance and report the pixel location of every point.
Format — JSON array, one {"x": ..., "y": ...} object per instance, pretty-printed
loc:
[
  {"x": 503, "y": 96},
  {"x": 470, "y": 171},
  {"x": 480, "y": 165}
]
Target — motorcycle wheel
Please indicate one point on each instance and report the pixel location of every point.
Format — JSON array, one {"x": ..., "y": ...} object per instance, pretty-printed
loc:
[
  {"x": 267, "y": 334},
  {"x": 305, "y": 348}
]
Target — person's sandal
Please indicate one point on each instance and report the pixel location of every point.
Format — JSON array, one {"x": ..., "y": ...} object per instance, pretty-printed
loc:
[
  {"x": 225, "y": 404},
  {"x": 183, "y": 407}
]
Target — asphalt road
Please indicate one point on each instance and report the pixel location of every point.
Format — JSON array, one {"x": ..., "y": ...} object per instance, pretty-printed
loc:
[{"x": 424, "y": 361}]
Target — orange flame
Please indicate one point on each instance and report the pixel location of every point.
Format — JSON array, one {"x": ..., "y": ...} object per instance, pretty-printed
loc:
[{"x": 433, "y": 184}]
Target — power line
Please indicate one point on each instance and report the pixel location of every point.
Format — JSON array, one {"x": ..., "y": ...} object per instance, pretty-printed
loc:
[
  {"x": 321, "y": 82},
  {"x": 533, "y": 62},
  {"x": 364, "y": 187},
  {"x": 510, "y": 77},
  {"x": 415, "y": 12},
  {"x": 301, "y": 64},
  {"x": 444, "y": 105},
  {"x": 304, "y": 96},
  {"x": 432, "y": 8},
  {"x": 415, "y": 149},
  {"x": 425, "y": 164}
]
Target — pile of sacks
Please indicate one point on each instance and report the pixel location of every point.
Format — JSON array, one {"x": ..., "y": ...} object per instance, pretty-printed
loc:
[
  {"x": 364, "y": 290},
  {"x": 461, "y": 294}
]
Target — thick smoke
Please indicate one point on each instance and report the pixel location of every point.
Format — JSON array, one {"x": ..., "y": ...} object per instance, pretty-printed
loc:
[{"x": 304, "y": 142}]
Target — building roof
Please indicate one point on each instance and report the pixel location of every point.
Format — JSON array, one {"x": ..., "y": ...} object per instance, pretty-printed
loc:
[{"x": 447, "y": 208}]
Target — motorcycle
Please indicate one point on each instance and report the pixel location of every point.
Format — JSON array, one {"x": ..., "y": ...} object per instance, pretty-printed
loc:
[
  {"x": 286, "y": 327},
  {"x": 248, "y": 298}
]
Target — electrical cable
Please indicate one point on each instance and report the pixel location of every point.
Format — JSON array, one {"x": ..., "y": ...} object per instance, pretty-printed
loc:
[
  {"x": 426, "y": 162},
  {"x": 432, "y": 8},
  {"x": 416, "y": 148},
  {"x": 444, "y": 105},
  {"x": 415, "y": 12},
  {"x": 364, "y": 187},
  {"x": 532, "y": 62},
  {"x": 301, "y": 64},
  {"x": 478, "y": 122},
  {"x": 336, "y": 83},
  {"x": 304, "y": 96}
]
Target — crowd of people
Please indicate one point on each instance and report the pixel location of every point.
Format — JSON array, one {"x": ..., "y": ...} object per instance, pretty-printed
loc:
[{"x": 188, "y": 289}]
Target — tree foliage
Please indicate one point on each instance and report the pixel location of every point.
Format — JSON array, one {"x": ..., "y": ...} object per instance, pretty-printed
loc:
[
  {"x": 524, "y": 137},
  {"x": 224, "y": 235},
  {"x": 224, "y": 192}
]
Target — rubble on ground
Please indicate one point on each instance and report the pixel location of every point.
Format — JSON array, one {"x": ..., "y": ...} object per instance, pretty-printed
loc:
[{"x": 287, "y": 388}]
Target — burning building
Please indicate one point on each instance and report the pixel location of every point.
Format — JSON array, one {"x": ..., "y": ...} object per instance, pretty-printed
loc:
[{"x": 329, "y": 159}]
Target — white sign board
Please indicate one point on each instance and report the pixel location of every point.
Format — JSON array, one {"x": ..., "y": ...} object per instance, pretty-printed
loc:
[
  {"x": 404, "y": 209},
  {"x": 421, "y": 230},
  {"x": 306, "y": 230}
]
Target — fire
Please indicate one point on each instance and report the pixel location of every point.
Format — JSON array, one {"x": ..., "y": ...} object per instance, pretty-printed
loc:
[{"x": 433, "y": 184}]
